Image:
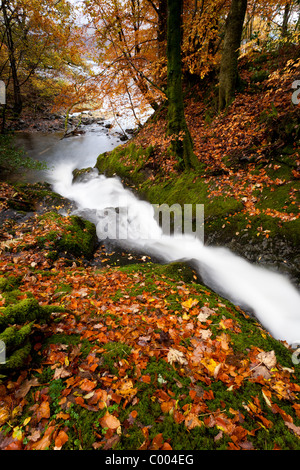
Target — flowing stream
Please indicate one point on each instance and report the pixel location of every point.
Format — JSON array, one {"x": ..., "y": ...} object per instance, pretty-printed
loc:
[{"x": 274, "y": 300}]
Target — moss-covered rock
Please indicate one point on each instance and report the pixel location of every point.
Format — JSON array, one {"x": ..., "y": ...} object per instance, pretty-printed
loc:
[
  {"x": 128, "y": 162},
  {"x": 17, "y": 358},
  {"x": 180, "y": 271},
  {"x": 26, "y": 310},
  {"x": 80, "y": 175},
  {"x": 71, "y": 236},
  {"x": 13, "y": 337}
]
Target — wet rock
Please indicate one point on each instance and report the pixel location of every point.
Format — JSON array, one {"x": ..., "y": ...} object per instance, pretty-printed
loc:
[
  {"x": 83, "y": 175},
  {"x": 276, "y": 253}
]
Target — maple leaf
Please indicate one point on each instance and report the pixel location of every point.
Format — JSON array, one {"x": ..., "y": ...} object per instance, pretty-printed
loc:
[
  {"x": 126, "y": 389},
  {"x": 205, "y": 334},
  {"x": 176, "y": 356},
  {"x": 60, "y": 373},
  {"x": 261, "y": 371},
  {"x": 205, "y": 312},
  {"x": 25, "y": 387},
  {"x": 295, "y": 429},
  {"x": 35, "y": 435}
]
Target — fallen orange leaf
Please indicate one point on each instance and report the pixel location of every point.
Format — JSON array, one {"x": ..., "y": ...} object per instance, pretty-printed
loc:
[
  {"x": 87, "y": 385},
  {"x": 109, "y": 421},
  {"x": 45, "y": 442}
]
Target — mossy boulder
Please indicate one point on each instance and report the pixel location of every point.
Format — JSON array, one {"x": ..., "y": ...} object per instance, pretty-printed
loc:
[
  {"x": 129, "y": 162},
  {"x": 180, "y": 271},
  {"x": 69, "y": 236}
]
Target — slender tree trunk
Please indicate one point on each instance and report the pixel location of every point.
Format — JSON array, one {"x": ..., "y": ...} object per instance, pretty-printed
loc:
[
  {"x": 286, "y": 17},
  {"x": 18, "y": 105},
  {"x": 229, "y": 60},
  {"x": 161, "y": 10},
  {"x": 181, "y": 145}
]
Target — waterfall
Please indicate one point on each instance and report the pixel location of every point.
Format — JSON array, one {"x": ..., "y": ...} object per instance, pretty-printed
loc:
[{"x": 271, "y": 296}]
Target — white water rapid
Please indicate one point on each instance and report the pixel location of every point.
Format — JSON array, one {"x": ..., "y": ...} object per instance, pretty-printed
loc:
[{"x": 273, "y": 299}]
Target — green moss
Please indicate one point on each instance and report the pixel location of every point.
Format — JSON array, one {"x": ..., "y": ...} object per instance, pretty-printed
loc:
[
  {"x": 179, "y": 271},
  {"x": 24, "y": 311},
  {"x": 17, "y": 345},
  {"x": 18, "y": 357},
  {"x": 114, "y": 352},
  {"x": 74, "y": 236},
  {"x": 9, "y": 283},
  {"x": 13, "y": 336},
  {"x": 16, "y": 325},
  {"x": 127, "y": 161}
]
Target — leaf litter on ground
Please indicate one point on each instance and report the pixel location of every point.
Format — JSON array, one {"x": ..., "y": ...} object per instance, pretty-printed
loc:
[{"x": 129, "y": 336}]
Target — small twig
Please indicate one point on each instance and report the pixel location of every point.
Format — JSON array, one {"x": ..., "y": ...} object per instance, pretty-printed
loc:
[{"x": 213, "y": 413}]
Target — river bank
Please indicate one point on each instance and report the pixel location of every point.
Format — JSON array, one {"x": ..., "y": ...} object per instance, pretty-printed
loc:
[
  {"x": 258, "y": 237},
  {"x": 249, "y": 160}
]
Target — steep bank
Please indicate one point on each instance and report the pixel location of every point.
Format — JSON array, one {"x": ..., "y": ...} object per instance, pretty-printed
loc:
[{"x": 249, "y": 181}]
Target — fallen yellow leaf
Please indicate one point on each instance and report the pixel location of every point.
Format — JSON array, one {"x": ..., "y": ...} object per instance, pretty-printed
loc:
[{"x": 190, "y": 303}]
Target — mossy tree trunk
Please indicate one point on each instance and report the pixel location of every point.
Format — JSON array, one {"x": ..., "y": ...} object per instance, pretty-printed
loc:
[
  {"x": 229, "y": 61},
  {"x": 181, "y": 144},
  {"x": 162, "y": 15}
]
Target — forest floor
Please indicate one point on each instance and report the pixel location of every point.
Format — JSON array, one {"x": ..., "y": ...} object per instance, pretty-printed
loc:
[{"x": 143, "y": 356}]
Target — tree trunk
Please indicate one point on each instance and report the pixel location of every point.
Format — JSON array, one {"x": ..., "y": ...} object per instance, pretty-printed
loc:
[
  {"x": 181, "y": 144},
  {"x": 11, "y": 51},
  {"x": 286, "y": 17},
  {"x": 229, "y": 60}
]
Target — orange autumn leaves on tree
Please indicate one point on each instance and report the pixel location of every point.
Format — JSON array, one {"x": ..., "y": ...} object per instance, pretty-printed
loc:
[{"x": 129, "y": 41}]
